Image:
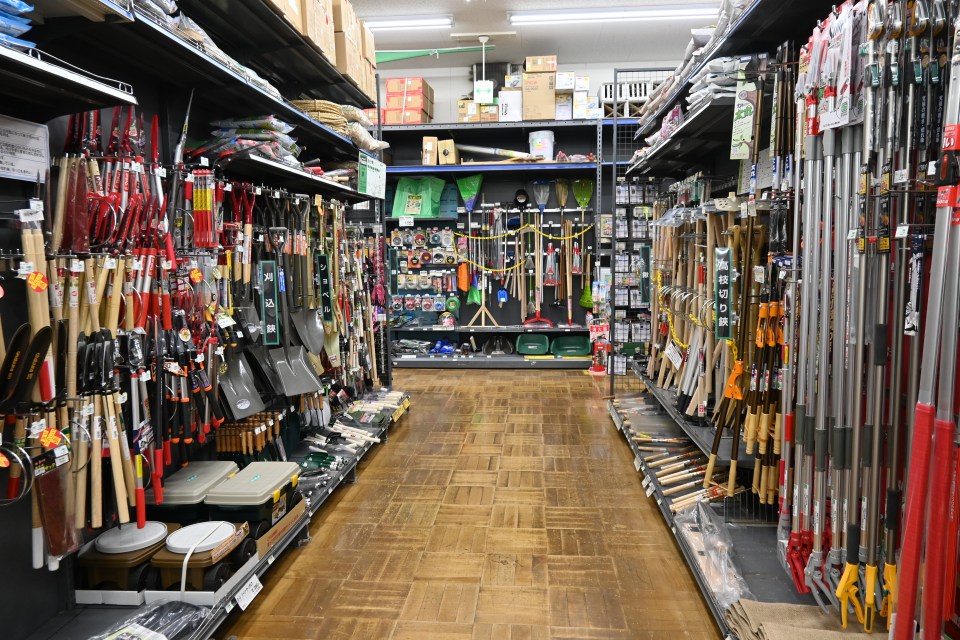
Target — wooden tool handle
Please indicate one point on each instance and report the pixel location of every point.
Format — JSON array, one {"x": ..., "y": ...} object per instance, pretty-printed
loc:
[
  {"x": 96, "y": 466},
  {"x": 116, "y": 461},
  {"x": 129, "y": 475},
  {"x": 82, "y": 451},
  {"x": 116, "y": 294},
  {"x": 96, "y": 303}
]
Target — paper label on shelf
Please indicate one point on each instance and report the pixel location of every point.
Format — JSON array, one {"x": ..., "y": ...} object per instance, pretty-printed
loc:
[
  {"x": 24, "y": 149},
  {"x": 406, "y": 221},
  {"x": 371, "y": 176},
  {"x": 649, "y": 491},
  {"x": 637, "y": 463},
  {"x": 645, "y": 483},
  {"x": 249, "y": 591},
  {"x": 903, "y": 231},
  {"x": 673, "y": 354}
]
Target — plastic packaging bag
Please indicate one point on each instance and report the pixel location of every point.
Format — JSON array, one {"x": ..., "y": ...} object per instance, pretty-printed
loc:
[
  {"x": 418, "y": 197},
  {"x": 355, "y": 114},
  {"x": 362, "y": 138},
  {"x": 13, "y": 25},
  {"x": 15, "y": 7},
  {"x": 172, "y": 620},
  {"x": 707, "y": 535},
  {"x": 271, "y": 123},
  {"x": 16, "y": 43}
]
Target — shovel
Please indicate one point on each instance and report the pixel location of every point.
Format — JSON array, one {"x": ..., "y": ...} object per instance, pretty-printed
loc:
[
  {"x": 290, "y": 363},
  {"x": 307, "y": 322},
  {"x": 241, "y": 394}
]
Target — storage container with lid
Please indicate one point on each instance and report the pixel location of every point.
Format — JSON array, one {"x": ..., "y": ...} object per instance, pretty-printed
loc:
[
  {"x": 260, "y": 492},
  {"x": 184, "y": 491}
]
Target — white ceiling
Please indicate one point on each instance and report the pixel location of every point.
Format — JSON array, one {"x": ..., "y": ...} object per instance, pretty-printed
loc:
[{"x": 660, "y": 41}]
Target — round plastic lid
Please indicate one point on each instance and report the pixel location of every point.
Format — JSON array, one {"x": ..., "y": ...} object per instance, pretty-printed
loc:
[
  {"x": 129, "y": 538},
  {"x": 209, "y": 534}
]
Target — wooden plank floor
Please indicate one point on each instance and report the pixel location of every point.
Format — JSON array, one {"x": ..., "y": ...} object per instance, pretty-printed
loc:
[{"x": 505, "y": 506}]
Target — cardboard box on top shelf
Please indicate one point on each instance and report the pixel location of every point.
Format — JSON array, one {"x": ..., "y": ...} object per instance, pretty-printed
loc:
[
  {"x": 429, "y": 150},
  {"x": 345, "y": 21},
  {"x": 409, "y": 101},
  {"x": 406, "y": 116},
  {"x": 511, "y": 106},
  {"x": 564, "y": 106},
  {"x": 540, "y": 64},
  {"x": 585, "y": 106},
  {"x": 292, "y": 11},
  {"x": 489, "y": 113},
  {"x": 514, "y": 81},
  {"x": 581, "y": 83},
  {"x": 348, "y": 58},
  {"x": 565, "y": 80},
  {"x": 373, "y": 114},
  {"x": 447, "y": 153},
  {"x": 468, "y": 111},
  {"x": 372, "y": 82},
  {"x": 318, "y": 27},
  {"x": 539, "y": 96},
  {"x": 409, "y": 86},
  {"x": 368, "y": 45}
]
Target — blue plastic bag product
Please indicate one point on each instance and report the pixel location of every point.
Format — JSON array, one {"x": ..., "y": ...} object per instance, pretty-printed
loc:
[
  {"x": 16, "y": 43},
  {"x": 16, "y": 7},
  {"x": 13, "y": 25}
]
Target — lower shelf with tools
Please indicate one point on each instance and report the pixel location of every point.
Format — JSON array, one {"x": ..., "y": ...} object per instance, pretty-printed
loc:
[
  {"x": 425, "y": 361},
  {"x": 85, "y": 621},
  {"x": 654, "y": 436}
]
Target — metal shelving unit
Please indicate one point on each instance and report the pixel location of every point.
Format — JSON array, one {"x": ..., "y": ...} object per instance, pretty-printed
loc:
[
  {"x": 254, "y": 32},
  {"x": 506, "y": 167},
  {"x": 485, "y": 362},
  {"x": 278, "y": 174},
  {"x": 39, "y": 86}
]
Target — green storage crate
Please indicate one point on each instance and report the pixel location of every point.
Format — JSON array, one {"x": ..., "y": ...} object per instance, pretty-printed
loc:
[
  {"x": 570, "y": 346},
  {"x": 533, "y": 344}
]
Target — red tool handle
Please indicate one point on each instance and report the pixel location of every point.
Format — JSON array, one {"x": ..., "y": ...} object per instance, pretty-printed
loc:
[
  {"x": 141, "y": 508},
  {"x": 934, "y": 573}
]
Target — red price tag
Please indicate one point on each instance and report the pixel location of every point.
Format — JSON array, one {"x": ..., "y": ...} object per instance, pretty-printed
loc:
[
  {"x": 951, "y": 137},
  {"x": 196, "y": 276},
  {"x": 37, "y": 282},
  {"x": 51, "y": 438},
  {"x": 946, "y": 196}
]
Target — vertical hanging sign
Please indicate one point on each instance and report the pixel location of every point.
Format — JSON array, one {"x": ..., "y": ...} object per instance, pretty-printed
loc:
[
  {"x": 268, "y": 303},
  {"x": 724, "y": 289},
  {"x": 371, "y": 176},
  {"x": 323, "y": 283},
  {"x": 644, "y": 268}
]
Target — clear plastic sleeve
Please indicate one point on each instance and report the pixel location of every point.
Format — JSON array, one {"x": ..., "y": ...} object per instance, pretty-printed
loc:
[{"x": 163, "y": 621}]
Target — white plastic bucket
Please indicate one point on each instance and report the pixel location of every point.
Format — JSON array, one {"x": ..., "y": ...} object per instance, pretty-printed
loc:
[{"x": 541, "y": 144}]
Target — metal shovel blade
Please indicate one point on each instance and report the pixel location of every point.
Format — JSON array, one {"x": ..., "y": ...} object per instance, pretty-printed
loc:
[
  {"x": 295, "y": 374},
  {"x": 249, "y": 320},
  {"x": 309, "y": 326},
  {"x": 239, "y": 389}
]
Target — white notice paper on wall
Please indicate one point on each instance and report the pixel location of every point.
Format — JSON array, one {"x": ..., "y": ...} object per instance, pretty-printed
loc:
[{"x": 24, "y": 149}]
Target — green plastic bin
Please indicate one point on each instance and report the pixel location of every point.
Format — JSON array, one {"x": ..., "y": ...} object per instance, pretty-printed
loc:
[
  {"x": 533, "y": 344},
  {"x": 570, "y": 346}
]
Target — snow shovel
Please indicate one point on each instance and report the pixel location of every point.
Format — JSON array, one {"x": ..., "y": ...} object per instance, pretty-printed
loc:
[
  {"x": 290, "y": 363},
  {"x": 308, "y": 322},
  {"x": 243, "y": 398}
]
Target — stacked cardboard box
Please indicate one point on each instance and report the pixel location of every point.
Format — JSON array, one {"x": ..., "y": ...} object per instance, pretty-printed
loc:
[
  {"x": 318, "y": 27},
  {"x": 291, "y": 10},
  {"x": 408, "y": 101},
  {"x": 348, "y": 35},
  {"x": 539, "y": 96}
]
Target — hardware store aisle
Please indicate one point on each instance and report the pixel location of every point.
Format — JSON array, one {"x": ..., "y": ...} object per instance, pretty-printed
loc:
[{"x": 503, "y": 507}]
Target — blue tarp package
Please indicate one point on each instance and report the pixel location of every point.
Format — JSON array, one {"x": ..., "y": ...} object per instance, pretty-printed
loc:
[
  {"x": 13, "y": 25},
  {"x": 15, "y": 7},
  {"x": 15, "y": 43}
]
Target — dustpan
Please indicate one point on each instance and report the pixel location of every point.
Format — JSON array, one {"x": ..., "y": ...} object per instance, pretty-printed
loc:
[{"x": 289, "y": 362}]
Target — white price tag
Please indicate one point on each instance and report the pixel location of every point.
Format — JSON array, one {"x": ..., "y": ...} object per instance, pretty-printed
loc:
[
  {"x": 25, "y": 269},
  {"x": 36, "y": 204},
  {"x": 636, "y": 463},
  {"x": 146, "y": 376},
  {"x": 188, "y": 178},
  {"x": 166, "y": 265},
  {"x": 30, "y": 215},
  {"x": 461, "y": 225},
  {"x": 162, "y": 172},
  {"x": 645, "y": 483},
  {"x": 901, "y": 176},
  {"x": 903, "y": 231},
  {"x": 122, "y": 398},
  {"x": 258, "y": 191},
  {"x": 228, "y": 187},
  {"x": 76, "y": 266},
  {"x": 649, "y": 491},
  {"x": 138, "y": 264},
  {"x": 759, "y": 274},
  {"x": 37, "y": 427},
  {"x": 659, "y": 501},
  {"x": 110, "y": 263},
  {"x": 406, "y": 221},
  {"x": 932, "y": 168},
  {"x": 87, "y": 410},
  {"x": 201, "y": 358},
  {"x": 852, "y": 235},
  {"x": 248, "y": 592}
]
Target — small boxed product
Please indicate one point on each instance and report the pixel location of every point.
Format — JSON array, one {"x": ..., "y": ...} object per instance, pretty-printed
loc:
[
  {"x": 408, "y": 86},
  {"x": 291, "y": 10},
  {"x": 564, "y": 106},
  {"x": 489, "y": 113},
  {"x": 428, "y": 152},
  {"x": 448, "y": 153},
  {"x": 468, "y": 111},
  {"x": 318, "y": 27},
  {"x": 539, "y": 96},
  {"x": 565, "y": 80},
  {"x": 581, "y": 83},
  {"x": 373, "y": 115},
  {"x": 261, "y": 492},
  {"x": 511, "y": 106},
  {"x": 538, "y": 64},
  {"x": 513, "y": 81},
  {"x": 406, "y": 116}
]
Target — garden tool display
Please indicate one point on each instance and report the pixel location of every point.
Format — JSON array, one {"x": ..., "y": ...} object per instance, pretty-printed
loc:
[{"x": 542, "y": 193}]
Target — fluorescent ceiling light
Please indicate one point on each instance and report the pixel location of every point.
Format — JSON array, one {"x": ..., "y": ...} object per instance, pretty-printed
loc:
[
  {"x": 611, "y": 15},
  {"x": 396, "y": 24}
]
